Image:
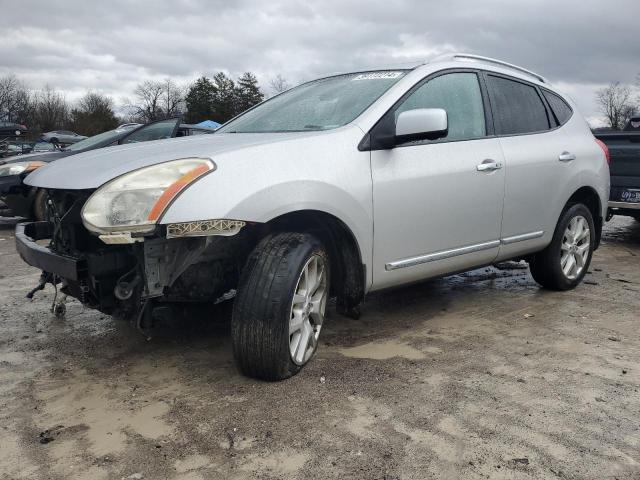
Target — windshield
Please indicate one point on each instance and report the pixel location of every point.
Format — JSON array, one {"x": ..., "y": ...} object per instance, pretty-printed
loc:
[
  {"x": 319, "y": 105},
  {"x": 91, "y": 142}
]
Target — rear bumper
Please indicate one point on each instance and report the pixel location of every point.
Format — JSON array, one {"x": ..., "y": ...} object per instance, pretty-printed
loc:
[
  {"x": 42, "y": 257},
  {"x": 625, "y": 205}
]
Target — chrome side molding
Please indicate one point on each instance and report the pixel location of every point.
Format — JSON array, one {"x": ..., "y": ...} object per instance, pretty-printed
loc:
[
  {"x": 432, "y": 257},
  {"x": 522, "y": 237},
  {"x": 444, "y": 254}
]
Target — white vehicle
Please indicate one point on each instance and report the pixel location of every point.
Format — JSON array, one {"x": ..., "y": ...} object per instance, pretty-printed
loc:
[
  {"x": 338, "y": 187},
  {"x": 65, "y": 137}
]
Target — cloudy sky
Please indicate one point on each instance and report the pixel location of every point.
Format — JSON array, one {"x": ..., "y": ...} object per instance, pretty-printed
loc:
[{"x": 111, "y": 45}]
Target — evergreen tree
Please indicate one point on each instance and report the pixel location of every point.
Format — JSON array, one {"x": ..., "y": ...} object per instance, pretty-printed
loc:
[
  {"x": 224, "y": 98},
  {"x": 247, "y": 92},
  {"x": 200, "y": 101}
]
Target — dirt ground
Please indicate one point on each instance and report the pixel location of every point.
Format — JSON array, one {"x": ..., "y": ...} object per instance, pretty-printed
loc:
[{"x": 480, "y": 375}]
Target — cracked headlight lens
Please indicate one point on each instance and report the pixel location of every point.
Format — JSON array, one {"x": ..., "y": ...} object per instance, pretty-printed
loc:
[{"x": 135, "y": 201}]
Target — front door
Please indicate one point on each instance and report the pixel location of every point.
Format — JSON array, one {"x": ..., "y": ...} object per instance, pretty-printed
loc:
[{"x": 438, "y": 204}]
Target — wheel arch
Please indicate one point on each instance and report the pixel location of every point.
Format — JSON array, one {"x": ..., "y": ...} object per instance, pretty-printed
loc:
[
  {"x": 591, "y": 199},
  {"x": 348, "y": 277}
]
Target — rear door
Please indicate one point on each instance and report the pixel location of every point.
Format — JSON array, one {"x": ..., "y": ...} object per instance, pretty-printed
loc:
[
  {"x": 437, "y": 208},
  {"x": 536, "y": 176}
]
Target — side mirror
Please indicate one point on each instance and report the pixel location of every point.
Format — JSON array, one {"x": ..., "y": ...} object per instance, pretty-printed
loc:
[{"x": 421, "y": 124}]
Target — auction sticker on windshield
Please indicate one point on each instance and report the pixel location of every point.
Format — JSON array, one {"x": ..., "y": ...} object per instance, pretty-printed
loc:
[{"x": 377, "y": 76}]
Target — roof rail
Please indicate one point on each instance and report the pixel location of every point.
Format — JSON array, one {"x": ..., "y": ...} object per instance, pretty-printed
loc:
[{"x": 480, "y": 58}]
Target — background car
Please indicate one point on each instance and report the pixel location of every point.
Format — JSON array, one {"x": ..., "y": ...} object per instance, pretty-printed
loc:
[
  {"x": 129, "y": 125},
  {"x": 43, "y": 147},
  {"x": 25, "y": 201},
  {"x": 10, "y": 129},
  {"x": 13, "y": 148},
  {"x": 624, "y": 157},
  {"x": 62, "y": 136}
]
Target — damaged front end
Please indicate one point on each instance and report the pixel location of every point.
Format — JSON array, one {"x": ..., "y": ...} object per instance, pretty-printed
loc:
[{"x": 130, "y": 276}]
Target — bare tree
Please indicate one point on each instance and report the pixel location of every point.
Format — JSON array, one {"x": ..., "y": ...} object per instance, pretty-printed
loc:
[
  {"x": 51, "y": 111},
  {"x": 279, "y": 84},
  {"x": 93, "y": 114},
  {"x": 15, "y": 100},
  {"x": 172, "y": 98},
  {"x": 616, "y": 104},
  {"x": 156, "y": 100}
]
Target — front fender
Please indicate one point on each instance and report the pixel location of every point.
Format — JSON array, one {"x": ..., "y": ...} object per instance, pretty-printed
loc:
[
  {"x": 268, "y": 183},
  {"x": 270, "y": 202}
]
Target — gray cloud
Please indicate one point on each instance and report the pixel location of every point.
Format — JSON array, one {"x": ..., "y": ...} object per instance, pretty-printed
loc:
[{"x": 111, "y": 46}]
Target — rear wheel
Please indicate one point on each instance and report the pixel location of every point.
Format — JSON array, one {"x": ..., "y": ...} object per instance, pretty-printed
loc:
[
  {"x": 564, "y": 263},
  {"x": 280, "y": 306}
]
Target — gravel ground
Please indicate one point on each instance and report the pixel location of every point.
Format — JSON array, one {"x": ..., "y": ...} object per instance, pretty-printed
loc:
[{"x": 480, "y": 375}]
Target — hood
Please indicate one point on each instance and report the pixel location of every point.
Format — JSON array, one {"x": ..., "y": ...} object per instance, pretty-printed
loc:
[
  {"x": 38, "y": 156},
  {"x": 92, "y": 169}
]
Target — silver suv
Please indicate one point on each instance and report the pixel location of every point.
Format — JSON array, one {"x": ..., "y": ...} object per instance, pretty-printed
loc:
[{"x": 338, "y": 187}]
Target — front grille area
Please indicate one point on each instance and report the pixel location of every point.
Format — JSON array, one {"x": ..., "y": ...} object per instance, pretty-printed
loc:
[
  {"x": 70, "y": 237},
  {"x": 105, "y": 264}
]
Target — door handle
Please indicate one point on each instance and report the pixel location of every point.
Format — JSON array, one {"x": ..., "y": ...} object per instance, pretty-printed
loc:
[
  {"x": 566, "y": 157},
  {"x": 489, "y": 166}
]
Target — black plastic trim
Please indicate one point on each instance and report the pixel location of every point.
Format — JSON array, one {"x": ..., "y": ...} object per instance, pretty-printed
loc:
[{"x": 42, "y": 257}]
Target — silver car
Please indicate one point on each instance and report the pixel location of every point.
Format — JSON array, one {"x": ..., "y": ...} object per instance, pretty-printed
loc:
[
  {"x": 64, "y": 137},
  {"x": 336, "y": 188}
]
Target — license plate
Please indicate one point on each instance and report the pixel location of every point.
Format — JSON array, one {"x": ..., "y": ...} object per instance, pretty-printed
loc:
[{"x": 631, "y": 196}]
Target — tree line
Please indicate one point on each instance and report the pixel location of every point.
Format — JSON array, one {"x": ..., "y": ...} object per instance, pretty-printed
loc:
[{"x": 218, "y": 98}]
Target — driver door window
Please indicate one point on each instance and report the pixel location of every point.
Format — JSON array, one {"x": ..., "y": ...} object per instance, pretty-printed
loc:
[{"x": 460, "y": 96}]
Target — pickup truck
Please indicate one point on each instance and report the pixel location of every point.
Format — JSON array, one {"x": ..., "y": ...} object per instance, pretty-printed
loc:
[{"x": 624, "y": 151}]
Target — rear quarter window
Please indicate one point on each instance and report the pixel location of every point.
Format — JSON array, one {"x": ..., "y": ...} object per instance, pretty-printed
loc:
[
  {"x": 560, "y": 107},
  {"x": 517, "y": 107}
]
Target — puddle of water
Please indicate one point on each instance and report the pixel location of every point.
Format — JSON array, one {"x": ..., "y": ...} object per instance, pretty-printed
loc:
[{"x": 383, "y": 351}]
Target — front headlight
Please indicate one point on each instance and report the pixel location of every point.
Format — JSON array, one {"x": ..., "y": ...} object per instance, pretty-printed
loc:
[
  {"x": 18, "y": 168},
  {"x": 135, "y": 201}
]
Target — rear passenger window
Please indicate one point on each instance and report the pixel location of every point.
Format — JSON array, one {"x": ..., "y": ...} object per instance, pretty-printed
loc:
[
  {"x": 457, "y": 93},
  {"x": 561, "y": 110},
  {"x": 517, "y": 107}
]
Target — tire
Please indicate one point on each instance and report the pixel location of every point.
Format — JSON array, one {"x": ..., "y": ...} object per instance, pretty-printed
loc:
[
  {"x": 40, "y": 205},
  {"x": 553, "y": 267},
  {"x": 268, "y": 325}
]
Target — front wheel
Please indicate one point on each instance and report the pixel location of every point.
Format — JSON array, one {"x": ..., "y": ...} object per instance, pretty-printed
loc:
[
  {"x": 40, "y": 205},
  {"x": 564, "y": 263},
  {"x": 280, "y": 306}
]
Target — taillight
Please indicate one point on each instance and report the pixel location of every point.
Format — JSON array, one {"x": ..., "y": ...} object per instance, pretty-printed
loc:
[{"x": 605, "y": 149}]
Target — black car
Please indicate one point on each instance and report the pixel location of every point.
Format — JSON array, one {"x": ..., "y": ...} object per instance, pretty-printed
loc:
[
  {"x": 12, "y": 130},
  {"x": 24, "y": 201}
]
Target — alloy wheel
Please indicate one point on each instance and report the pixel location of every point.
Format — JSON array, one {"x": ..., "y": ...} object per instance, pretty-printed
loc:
[
  {"x": 575, "y": 247},
  {"x": 307, "y": 310}
]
